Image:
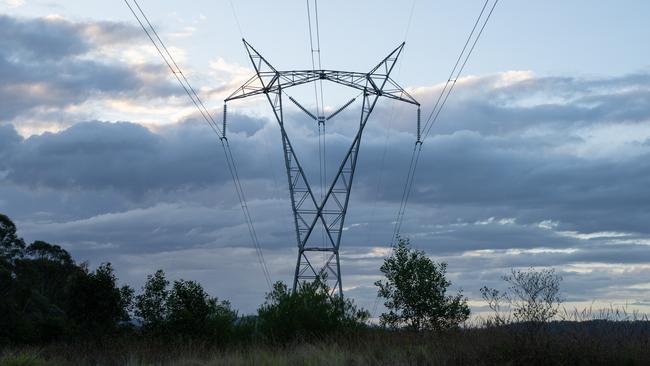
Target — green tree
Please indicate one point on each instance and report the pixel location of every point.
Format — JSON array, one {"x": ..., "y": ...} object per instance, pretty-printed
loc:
[
  {"x": 150, "y": 305},
  {"x": 45, "y": 295},
  {"x": 185, "y": 310},
  {"x": 32, "y": 279},
  {"x": 94, "y": 302},
  {"x": 11, "y": 246},
  {"x": 415, "y": 292},
  {"x": 192, "y": 312},
  {"x": 40, "y": 277},
  {"x": 308, "y": 312}
]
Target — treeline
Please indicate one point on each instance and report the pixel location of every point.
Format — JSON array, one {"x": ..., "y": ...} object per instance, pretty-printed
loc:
[{"x": 46, "y": 296}]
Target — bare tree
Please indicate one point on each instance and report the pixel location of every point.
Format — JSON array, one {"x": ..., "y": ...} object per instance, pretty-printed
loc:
[
  {"x": 494, "y": 299},
  {"x": 532, "y": 296}
]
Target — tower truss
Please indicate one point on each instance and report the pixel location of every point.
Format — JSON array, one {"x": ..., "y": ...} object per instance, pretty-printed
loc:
[{"x": 312, "y": 214}]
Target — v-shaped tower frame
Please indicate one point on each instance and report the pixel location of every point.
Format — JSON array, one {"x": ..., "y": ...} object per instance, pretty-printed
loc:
[{"x": 312, "y": 213}]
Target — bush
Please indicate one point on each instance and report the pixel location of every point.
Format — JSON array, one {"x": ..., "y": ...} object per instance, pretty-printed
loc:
[
  {"x": 307, "y": 313},
  {"x": 532, "y": 296},
  {"x": 95, "y": 304},
  {"x": 45, "y": 295},
  {"x": 415, "y": 292},
  {"x": 185, "y": 311},
  {"x": 22, "y": 359}
]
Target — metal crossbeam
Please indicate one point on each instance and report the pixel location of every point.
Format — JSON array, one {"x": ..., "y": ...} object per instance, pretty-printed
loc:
[
  {"x": 326, "y": 214},
  {"x": 273, "y": 80}
]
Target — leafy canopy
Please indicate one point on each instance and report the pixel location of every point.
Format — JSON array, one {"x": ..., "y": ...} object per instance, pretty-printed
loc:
[
  {"x": 415, "y": 292},
  {"x": 185, "y": 310},
  {"x": 309, "y": 312}
]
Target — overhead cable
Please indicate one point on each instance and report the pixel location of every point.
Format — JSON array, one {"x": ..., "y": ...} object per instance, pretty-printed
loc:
[{"x": 169, "y": 60}]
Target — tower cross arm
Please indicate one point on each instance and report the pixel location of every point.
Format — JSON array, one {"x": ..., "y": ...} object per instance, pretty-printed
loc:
[
  {"x": 280, "y": 80},
  {"x": 268, "y": 79}
]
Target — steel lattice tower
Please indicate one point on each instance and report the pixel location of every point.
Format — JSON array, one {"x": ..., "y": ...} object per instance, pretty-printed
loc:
[{"x": 310, "y": 213}]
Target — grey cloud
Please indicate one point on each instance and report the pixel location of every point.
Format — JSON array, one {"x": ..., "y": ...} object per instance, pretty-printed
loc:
[
  {"x": 121, "y": 191},
  {"x": 35, "y": 39},
  {"x": 47, "y": 62},
  {"x": 40, "y": 38},
  {"x": 126, "y": 157}
]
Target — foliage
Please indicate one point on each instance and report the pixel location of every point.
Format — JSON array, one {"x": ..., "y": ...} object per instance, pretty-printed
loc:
[
  {"x": 11, "y": 246},
  {"x": 415, "y": 290},
  {"x": 150, "y": 306},
  {"x": 45, "y": 295},
  {"x": 533, "y": 296},
  {"x": 94, "y": 302},
  {"x": 309, "y": 312},
  {"x": 185, "y": 311},
  {"x": 22, "y": 359},
  {"x": 582, "y": 343}
]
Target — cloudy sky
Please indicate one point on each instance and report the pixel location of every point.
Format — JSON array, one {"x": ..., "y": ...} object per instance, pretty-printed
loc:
[{"x": 541, "y": 157}]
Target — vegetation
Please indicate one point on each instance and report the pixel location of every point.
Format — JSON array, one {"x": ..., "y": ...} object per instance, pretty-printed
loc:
[
  {"x": 532, "y": 296},
  {"x": 308, "y": 313},
  {"x": 57, "y": 312},
  {"x": 415, "y": 290},
  {"x": 46, "y": 296},
  {"x": 184, "y": 311}
]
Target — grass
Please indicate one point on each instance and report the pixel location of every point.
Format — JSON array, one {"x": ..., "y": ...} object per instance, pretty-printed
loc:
[
  {"x": 559, "y": 343},
  {"x": 586, "y": 337},
  {"x": 22, "y": 359}
]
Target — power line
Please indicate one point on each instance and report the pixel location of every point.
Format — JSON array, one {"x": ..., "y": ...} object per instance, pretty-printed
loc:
[
  {"x": 391, "y": 119},
  {"x": 162, "y": 49},
  {"x": 320, "y": 104},
  {"x": 385, "y": 149},
  {"x": 435, "y": 113},
  {"x": 234, "y": 14},
  {"x": 433, "y": 116}
]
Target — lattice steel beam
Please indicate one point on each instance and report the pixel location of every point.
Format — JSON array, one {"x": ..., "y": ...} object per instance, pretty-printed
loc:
[{"x": 328, "y": 213}]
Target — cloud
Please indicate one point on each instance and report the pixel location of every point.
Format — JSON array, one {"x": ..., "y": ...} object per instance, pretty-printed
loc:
[
  {"x": 54, "y": 72},
  {"x": 14, "y": 3},
  {"x": 126, "y": 157},
  {"x": 519, "y": 171}
]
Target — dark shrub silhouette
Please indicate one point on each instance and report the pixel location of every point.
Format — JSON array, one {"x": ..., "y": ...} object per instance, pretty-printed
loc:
[
  {"x": 415, "y": 290},
  {"x": 184, "y": 311},
  {"x": 307, "y": 313}
]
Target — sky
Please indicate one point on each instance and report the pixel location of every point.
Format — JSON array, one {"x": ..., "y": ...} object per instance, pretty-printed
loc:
[{"x": 539, "y": 159}]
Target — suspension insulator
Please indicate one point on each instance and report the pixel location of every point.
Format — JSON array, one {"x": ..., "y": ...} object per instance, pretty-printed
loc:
[
  {"x": 419, "y": 141},
  {"x": 223, "y": 131}
]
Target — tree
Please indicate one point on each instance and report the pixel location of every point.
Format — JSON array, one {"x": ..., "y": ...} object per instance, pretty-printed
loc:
[
  {"x": 194, "y": 313},
  {"x": 309, "y": 312},
  {"x": 494, "y": 299},
  {"x": 45, "y": 295},
  {"x": 95, "y": 304},
  {"x": 11, "y": 246},
  {"x": 32, "y": 281},
  {"x": 150, "y": 306},
  {"x": 185, "y": 310},
  {"x": 532, "y": 296},
  {"x": 415, "y": 290}
]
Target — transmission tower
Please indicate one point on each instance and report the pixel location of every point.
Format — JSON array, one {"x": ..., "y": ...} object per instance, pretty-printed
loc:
[{"x": 312, "y": 214}]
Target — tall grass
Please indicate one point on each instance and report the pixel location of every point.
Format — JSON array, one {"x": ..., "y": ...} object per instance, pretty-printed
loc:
[{"x": 609, "y": 336}]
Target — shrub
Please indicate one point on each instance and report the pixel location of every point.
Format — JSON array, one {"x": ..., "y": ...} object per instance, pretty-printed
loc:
[
  {"x": 309, "y": 312},
  {"x": 185, "y": 310},
  {"x": 415, "y": 290},
  {"x": 532, "y": 296},
  {"x": 94, "y": 302}
]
